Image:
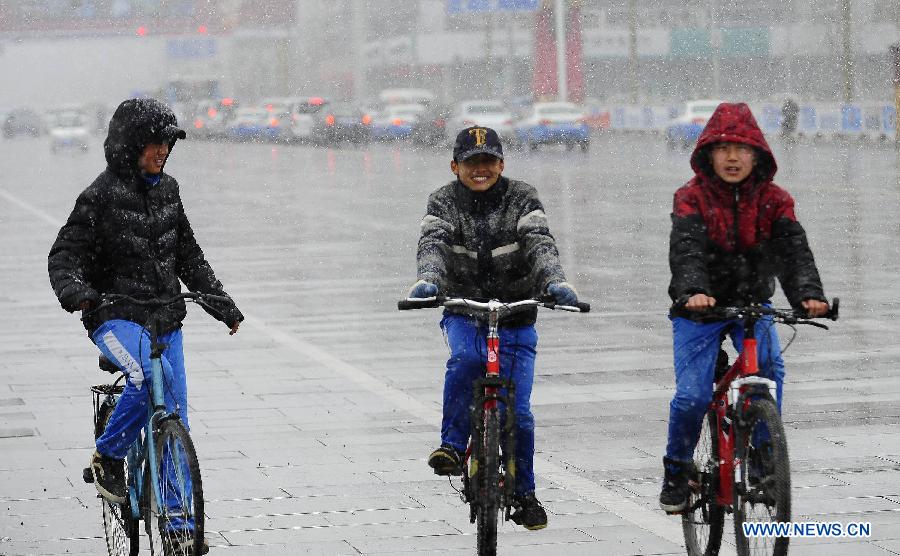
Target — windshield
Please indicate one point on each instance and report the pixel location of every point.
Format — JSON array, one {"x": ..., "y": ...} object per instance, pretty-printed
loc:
[
  {"x": 704, "y": 108},
  {"x": 558, "y": 110},
  {"x": 70, "y": 119},
  {"x": 485, "y": 109}
]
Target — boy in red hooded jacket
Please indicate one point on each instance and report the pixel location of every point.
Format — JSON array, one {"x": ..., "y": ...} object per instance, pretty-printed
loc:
[{"x": 733, "y": 232}]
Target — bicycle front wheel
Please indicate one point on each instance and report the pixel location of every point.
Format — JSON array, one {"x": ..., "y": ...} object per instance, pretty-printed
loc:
[
  {"x": 119, "y": 527},
  {"x": 174, "y": 520},
  {"x": 763, "y": 493},
  {"x": 703, "y": 520},
  {"x": 489, "y": 487}
]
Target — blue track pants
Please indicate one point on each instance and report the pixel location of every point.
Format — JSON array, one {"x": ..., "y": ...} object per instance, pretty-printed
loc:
[{"x": 696, "y": 347}]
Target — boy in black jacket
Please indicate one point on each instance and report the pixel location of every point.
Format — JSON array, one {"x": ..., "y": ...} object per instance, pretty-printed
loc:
[
  {"x": 486, "y": 236},
  {"x": 129, "y": 234}
]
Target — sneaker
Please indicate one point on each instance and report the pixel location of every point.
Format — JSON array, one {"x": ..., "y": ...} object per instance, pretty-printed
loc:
[
  {"x": 181, "y": 543},
  {"x": 446, "y": 461},
  {"x": 529, "y": 513},
  {"x": 674, "y": 496},
  {"x": 109, "y": 477}
]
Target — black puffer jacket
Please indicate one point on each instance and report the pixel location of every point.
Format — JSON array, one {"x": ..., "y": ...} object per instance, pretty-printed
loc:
[{"x": 127, "y": 236}]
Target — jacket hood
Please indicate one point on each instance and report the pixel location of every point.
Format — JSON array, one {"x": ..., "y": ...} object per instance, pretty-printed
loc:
[
  {"x": 136, "y": 123},
  {"x": 733, "y": 123}
]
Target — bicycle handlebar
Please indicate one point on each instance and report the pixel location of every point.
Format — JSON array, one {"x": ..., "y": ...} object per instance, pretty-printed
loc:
[
  {"x": 486, "y": 307},
  {"x": 786, "y": 316},
  {"x": 199, "y": 298}
]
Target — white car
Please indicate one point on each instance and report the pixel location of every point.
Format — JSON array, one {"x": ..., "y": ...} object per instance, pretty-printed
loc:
[
  {"x": 554, "y": 123},
  {"x": 396, "y": 121},
  {"x": 684, "y": 129},
  {"x": 303, "y": 117},
  {"x": 68, "y": 130},
  {"x": 487, "y": 113}
]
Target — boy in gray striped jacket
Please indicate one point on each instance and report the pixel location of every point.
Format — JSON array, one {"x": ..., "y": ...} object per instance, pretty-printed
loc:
[{"x": 486, "y": 236}]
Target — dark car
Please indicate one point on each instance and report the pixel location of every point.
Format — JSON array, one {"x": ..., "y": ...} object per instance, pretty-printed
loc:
[
  {"x": 22, "y": 122},
  {"x": 431, "y": 127},
  {"x": 338, "y": 122}
]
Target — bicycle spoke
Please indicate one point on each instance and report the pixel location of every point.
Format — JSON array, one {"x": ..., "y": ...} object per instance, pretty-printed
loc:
[
  {"x": 763, "y": 495},
  {"x": 175, "y": 523},
  {"x": 703, "y": 521}
]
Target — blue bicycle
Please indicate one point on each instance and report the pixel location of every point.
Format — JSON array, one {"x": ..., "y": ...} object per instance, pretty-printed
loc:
[{"x": 162, "y": 473}]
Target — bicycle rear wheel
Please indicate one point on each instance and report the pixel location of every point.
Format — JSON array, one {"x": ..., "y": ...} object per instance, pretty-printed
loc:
[
  {"x": 703, "y": 519},
  {"x": 174, "y": 522},
  {"x": 763, "y": 494},
  {"x": 119, "y": 527},
  {"x": 489, "y": 485}
]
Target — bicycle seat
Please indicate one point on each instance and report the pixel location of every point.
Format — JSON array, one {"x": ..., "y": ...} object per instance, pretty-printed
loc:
[{"x": 108, "y": 366}]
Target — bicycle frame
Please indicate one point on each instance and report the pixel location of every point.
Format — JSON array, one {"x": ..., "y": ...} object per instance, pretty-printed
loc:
[
  {"x": 730, "y": 397},
  {"x": 487, "y": 397}
]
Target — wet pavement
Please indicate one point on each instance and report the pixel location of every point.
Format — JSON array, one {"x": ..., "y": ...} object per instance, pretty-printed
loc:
[{"x": 313, "y": 423}]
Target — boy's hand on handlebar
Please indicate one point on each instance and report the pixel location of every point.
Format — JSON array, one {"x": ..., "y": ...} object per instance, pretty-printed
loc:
[
  {"x": 700, "y": 302},
  {"x": 563, "y": 293},
  {"x": 422, "y": 290},
  {"x": 814, "y": 307}
]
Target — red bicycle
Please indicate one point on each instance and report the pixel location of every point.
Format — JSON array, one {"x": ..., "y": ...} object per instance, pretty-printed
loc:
[
  {"x": 489, "y": 479},
  {"x": 741, "y": 463}
]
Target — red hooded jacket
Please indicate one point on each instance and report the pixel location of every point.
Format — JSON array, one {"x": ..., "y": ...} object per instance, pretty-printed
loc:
[{"x": 731, "y": 241}]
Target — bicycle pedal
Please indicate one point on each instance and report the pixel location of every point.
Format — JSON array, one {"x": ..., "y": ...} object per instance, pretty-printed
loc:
[{"x": 87, "y": 475}]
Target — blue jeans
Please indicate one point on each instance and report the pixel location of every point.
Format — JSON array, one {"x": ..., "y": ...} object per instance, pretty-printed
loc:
[
  {"x": 127, "y": 344},
  {"x": 696, "y": 347},
  {"x": 466, "y": 339}
]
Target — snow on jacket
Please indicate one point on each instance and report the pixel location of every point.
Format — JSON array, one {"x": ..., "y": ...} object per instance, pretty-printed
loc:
[
  {"x": 494, "y": 244},
  {"x": 731, "y": 241},
  {"x": 126, "y": 236}
]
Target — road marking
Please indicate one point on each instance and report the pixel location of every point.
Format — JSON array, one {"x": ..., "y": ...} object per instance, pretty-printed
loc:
[
  {"x": 667, "y": 528},
  {"x": 43, "y": 215}
]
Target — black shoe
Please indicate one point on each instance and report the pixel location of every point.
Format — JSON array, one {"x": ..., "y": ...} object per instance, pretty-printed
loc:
[
  {"x": 446, "y": 461},
  {"x": 109, "y": 477},
  {"x": 181, "y": 543},
  {"x": 674, "y": 496},
  {"x": 528, "y": 512}
]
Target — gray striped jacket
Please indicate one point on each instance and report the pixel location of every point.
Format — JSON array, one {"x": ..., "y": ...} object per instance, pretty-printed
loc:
[{"x": 494, "y": 244}]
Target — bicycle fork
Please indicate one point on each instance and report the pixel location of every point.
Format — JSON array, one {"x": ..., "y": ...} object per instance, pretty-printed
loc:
[{"x": 487, "y": 396}]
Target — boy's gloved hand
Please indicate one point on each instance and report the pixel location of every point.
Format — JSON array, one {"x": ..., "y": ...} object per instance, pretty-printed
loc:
[
  {"x": 563, "y": 293},
  {"x": 422, "y": 289}
]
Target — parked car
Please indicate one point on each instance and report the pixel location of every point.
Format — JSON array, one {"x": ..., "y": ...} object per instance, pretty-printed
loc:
[
  {"x": 396, "y": 121},
  {"x": 69, "y": 129},
  {"x": 554, "y": 123},
  {"x": 303, "y": 118},
  {"x": 431, "y": 127},
  {"x": 22, "y": 121},
  {"x": 338, "y": 122},
  {"x": 684, "y": 129},
  {"x": 253, "y": 124},
  {"x": 211, "y": 117},
  {"x": 487, "y": 113}
]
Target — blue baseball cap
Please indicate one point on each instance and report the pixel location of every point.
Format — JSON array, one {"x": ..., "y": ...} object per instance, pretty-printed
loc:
[{"x": 477, "y": 140}]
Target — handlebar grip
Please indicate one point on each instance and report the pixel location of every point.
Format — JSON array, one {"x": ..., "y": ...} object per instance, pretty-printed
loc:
[
  {"x": 833, "y": 311},
  {"x": 425, "y": 303}
]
